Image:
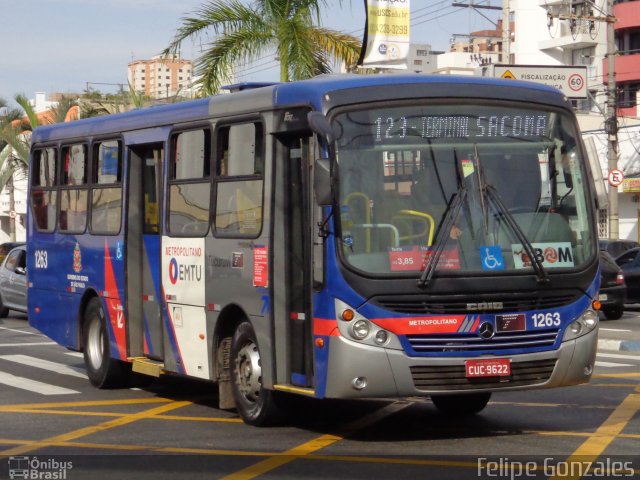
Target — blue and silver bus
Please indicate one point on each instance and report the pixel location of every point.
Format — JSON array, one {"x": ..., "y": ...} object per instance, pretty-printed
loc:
[{"x": 340, "y": 237}]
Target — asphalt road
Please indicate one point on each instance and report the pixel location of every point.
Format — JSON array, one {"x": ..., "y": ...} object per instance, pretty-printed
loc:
[{"x": 52, "y": 422}]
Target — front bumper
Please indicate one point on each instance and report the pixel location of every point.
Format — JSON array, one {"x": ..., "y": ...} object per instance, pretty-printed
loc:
[{"x": 392, "y": 373}]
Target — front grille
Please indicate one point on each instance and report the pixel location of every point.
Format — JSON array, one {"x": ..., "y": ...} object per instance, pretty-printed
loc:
[
  {"x": 459, "y": 304},
  {"x": 473, "y": 342},
  {"x": 453, "y": 377}
]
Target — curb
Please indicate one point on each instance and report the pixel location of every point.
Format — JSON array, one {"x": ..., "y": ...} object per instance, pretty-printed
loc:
[{"x": 620, "y": 345}]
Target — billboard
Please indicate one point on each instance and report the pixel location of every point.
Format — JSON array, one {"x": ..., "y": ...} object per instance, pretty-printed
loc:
[{"x": 386, "y": 34}]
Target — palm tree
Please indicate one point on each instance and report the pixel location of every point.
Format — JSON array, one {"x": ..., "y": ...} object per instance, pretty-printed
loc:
[
  {"x": 246, "y": 32},
  {"x": 15, "y": 141}
]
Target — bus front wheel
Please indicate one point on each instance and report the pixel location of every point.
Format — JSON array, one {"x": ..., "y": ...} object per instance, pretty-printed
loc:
[
  {"x": 461, "y": 405},
  {"x": 255, "y": 404},
  {"x": 102, "y": 370}
]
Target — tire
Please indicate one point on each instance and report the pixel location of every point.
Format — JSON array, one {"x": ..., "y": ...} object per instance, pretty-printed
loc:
[
  {"x": 102, "y": 370},
  {"x": 4, "y": 311},
  {"x": 461, "y": 405},
  {"x": 255, "y": 404},
  {"x": 614, "y": 313}
]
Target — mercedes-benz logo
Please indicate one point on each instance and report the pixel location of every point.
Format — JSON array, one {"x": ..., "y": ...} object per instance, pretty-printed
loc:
[{"x": 486, "y": 330}]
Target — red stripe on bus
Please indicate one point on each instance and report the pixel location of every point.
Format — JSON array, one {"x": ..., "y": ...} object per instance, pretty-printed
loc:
[
  {"x": 417, "y": 325},
  {"x": 325, "y": 327},
  {"x": 475, "y": 325},
  {"x": 114, "y": 306}
]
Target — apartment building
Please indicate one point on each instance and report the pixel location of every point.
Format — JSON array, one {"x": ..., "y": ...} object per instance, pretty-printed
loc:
[{"x": 161, "y": 76}]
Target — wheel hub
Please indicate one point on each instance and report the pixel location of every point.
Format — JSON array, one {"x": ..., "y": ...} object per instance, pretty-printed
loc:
[{"x": 249, "y": 372}]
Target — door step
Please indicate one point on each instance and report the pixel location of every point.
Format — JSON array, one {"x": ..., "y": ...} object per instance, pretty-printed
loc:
[
  {"x": 291, "y": 389},
  {"x": 147, "y": 366}
]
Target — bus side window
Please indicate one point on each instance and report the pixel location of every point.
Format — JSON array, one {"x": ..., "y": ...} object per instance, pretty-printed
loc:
[
  {"x": 239, "y": 180},
  {"x": 43, "y": 192},
  {"x": 190, "y": 188},
  {"x": 106, "y": 197},
  {"x": 74, "y": 200}
]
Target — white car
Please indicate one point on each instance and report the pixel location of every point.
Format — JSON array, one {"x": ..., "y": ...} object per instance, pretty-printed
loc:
[{"x": 13, "y": 282}]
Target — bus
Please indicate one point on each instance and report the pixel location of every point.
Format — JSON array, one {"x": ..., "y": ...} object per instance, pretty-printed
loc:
[{"x": 341, "y": 237}]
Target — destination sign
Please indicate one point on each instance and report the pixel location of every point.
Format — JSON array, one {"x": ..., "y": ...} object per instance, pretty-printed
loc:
[{"x": 461, "y": 126}]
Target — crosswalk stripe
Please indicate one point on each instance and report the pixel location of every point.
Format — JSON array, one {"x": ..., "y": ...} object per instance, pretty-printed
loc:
[
  {"x": 618, "y": 355},
  {"x": 75, "y": 354},
  {"x": 33, "y": 386},
  {"x": 27, "y": 344},
  {"x": 44, "y": 364},
  {"x": 611, "y": 364}
]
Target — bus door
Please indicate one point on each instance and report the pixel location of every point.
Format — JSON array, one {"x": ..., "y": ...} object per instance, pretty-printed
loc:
[
  {"x": 297, "y": 261},
  {"x": 143, "y": 247}
]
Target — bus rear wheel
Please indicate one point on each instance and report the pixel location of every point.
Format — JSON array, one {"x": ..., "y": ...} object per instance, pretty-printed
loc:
[
  {"x": 102, "y": 370},
  {"x": 255, "y": 404},
  {"x": 461, "y": 405}
]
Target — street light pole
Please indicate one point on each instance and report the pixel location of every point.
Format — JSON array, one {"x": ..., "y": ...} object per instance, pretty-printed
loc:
[{"x": 611, "y": 126}]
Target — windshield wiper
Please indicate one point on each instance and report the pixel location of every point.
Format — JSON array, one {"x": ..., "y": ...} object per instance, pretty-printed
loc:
[
  {"x": 458, "y": 199},
  {"x": 538, "y": 268}
]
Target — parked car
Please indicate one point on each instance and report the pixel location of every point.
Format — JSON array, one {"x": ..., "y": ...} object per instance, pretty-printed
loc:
[
  {"x": 613, "y": 290},
  {"x": 629, "y": 262},
  {"x": 7, "y": 247},
  {"x": 615, "y": 248},
  {"x": 13, "y": 281}
]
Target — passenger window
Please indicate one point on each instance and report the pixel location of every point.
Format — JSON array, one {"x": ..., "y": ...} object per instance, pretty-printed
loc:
[
  {"x": 74, "y": 165},
  {"x": 239, "y": 182},
  {"x": 43, "y": 194},
  {"x": 44, "y": 167},
  {"x": 75, "y": 194},
  {"x": 106, "y": 195},
  {"x": 190, "y": 186}
]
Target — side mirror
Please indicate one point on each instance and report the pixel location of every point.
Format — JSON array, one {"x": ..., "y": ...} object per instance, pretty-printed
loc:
[
  {"x": 320, "y": 125},
  {"x": 21, "y": 270},
  {"x": 322, "y": 181}
]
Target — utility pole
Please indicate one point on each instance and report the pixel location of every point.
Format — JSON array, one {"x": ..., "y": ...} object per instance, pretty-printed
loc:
[
  {"x": 611, "y": 116},
  {"x": 612, "y": 121},
  {"x": 506, "y": 32}
]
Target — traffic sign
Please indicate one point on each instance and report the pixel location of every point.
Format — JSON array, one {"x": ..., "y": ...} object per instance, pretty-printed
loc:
[
  {"x": 616, "y": 177},
  {"x": 572, "y": 81}
]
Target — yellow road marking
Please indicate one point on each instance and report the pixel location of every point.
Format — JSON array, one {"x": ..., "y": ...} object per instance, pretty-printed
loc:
[
  {"x": 606, "y": 433},
  {"x": 616, "y": 375},
  {"x": 82, "y": 432},
  {"x": 617, "y": 385},
  {"x": 282, "y": 459},
  {"x": 317, "y": 443},
  {"x": 80, "y": 413},
  {"x": 94, "y": 403}
]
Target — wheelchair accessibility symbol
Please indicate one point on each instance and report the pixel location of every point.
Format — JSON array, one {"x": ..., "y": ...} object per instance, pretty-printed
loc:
[{"x": 491, "y": 257}]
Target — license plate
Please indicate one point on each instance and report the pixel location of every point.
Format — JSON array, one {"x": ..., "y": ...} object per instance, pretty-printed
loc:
[
  {"x": 603, "y": 297},
  {"x": 488, "y": 367}
]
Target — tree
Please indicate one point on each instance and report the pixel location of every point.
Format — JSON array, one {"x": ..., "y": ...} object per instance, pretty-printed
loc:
[
  {"x": 246, "y": 32},
  {"x": 15, "y": 140}
]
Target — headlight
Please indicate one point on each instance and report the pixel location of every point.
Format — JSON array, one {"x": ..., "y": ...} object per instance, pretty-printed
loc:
[
  {"x": 356, "y": 327},
  {"x": 583, "y": 325},
  {"x": 360, "y": 329}
]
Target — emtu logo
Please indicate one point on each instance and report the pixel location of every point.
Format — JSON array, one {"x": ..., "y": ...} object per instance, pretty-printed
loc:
[
  {"x": 184, "y": 272},
  {"x": 173, "y": 271}
]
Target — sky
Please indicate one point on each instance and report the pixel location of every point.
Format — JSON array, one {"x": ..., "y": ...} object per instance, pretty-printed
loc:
[{"x": 66, "y": 45}]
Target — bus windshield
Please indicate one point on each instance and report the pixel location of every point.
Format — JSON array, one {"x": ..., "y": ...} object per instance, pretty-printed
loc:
[{"x": 497, "y": 187}]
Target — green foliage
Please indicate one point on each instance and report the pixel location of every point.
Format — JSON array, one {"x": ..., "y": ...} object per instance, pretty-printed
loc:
[{"x": 244, "y": 33}]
